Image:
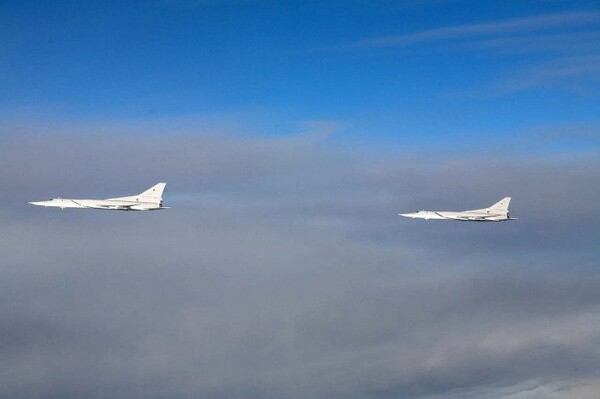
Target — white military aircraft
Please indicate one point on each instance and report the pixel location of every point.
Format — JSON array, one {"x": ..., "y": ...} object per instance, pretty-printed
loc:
[
  {"x": 495, "y": 213},
  {"x": 149, "y": 200}
]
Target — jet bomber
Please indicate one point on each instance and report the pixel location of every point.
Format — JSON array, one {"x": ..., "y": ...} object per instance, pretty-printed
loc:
[
  {"x": 495, "y": 213},
  {"x": 149, "y": 200}
]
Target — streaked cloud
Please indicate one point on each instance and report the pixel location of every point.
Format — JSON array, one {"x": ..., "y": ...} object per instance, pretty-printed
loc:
[
  {"x": 564, "y": 50},
  {"x": 560, "y": 73},
  {"x": 559, "y": 43},
  {"x": 516, "y": 25}
]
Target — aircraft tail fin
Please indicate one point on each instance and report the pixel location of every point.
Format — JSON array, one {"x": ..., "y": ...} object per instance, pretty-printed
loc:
[
  {"x": 501, "y": 206},
  {"x": 152, "y": 195}
]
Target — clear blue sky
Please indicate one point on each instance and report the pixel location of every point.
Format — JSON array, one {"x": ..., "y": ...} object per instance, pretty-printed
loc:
[{"x": 428, "y": 71}]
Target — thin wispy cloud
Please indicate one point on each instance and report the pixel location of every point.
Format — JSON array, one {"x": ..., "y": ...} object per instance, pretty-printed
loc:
[
  {"x": 560, "y": 43},
  {"x": 567, "y": 74},
  {"x": 554, "y": 42},
  {"x": 536, "y": 23}
]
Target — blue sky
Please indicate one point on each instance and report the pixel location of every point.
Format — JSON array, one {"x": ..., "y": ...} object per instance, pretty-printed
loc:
[{"x": 429, "y": 72}]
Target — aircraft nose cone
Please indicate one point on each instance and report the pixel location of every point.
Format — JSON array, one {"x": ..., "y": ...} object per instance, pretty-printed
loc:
[
  {"x": 38, "y": 203},
  {"x": 407, "y": 215}
]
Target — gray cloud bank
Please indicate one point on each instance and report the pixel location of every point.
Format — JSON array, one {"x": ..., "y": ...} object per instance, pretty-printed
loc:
[{"x": 283, "y": 272}]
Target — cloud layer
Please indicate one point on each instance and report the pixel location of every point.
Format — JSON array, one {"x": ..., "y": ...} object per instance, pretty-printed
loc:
[{"x": 282, "y": 271}]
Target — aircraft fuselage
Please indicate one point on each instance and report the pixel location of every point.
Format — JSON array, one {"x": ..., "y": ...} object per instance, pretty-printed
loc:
[
  {"x": 149, "y": 200},
  {"x": 461, "y": 216},
  {"x": 113, "y": 205}
]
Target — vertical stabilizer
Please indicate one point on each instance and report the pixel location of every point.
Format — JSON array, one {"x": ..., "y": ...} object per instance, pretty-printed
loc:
[
  {"x": 153, "y": 194},
  {"x": 501, "y": 206}
]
